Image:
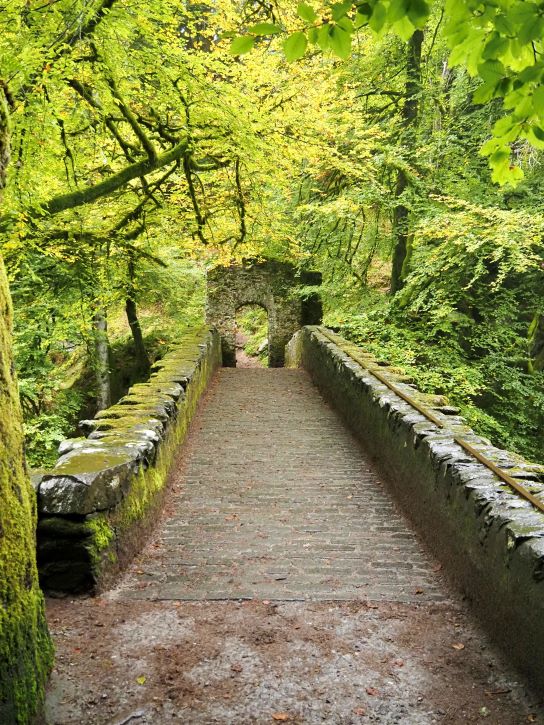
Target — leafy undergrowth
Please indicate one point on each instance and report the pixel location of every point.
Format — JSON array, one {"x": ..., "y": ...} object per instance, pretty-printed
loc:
[
  {"x": 252, "y": 322},
  {"x": 54, "y": 353},
  {"x": 491, "y": 385}
]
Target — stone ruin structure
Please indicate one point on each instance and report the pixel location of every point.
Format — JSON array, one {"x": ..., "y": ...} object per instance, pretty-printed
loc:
[{"x": 274, "y": 286}]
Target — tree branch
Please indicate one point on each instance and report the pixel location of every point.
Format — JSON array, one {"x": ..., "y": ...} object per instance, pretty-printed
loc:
[
  {"x": 240, "y": 202},
  {"x": 132, "y": 121},
  {"x": 103, "y": 188},
  {"x": 200, "y": 221},
  {"x": 86, "y": 93},
  {"x": 91, "y": 24}
]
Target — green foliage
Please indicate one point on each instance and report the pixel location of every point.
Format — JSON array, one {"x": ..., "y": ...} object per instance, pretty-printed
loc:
[
  {"x": 460, "y": 325},
  {"x": 295, "y": 45},
  {"x": 306, "y": 12},
  {"x": 51, "y": 343},
  {"x": 242, "y": 45},
  {"x": 501, "y": 43},
  {"x": 44, "y": 432},
  {"x": 252, "y": 322},
  {"x": 172, "y": 297}
]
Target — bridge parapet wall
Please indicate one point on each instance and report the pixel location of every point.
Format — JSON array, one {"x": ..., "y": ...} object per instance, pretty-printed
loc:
[
  {"x": 97, "y": 503},
  {"x": 490, "y": 540}
]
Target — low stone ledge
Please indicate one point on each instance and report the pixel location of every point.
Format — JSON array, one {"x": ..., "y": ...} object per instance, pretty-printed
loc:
[
  {"x": 105, "y": 489},
  {"x": 490, "y": 539}
]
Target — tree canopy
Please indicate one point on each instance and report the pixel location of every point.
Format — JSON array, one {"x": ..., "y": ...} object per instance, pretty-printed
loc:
[
  {"x": 498, "y": 41},
  {"x": 149, "y": 142}
]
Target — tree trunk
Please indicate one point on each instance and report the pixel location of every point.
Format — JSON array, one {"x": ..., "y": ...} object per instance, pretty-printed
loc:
[
  {"x": 102, "y": 360},
  {"x": 142, "y": 358},
  {"x": 401, "y": 214},
  {"x": 4, "y": 137},
  {"x": 26, "y": 653},
  {"x": 535, "y": 362}
]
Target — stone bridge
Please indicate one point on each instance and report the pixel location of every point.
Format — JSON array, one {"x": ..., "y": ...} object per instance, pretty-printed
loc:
[{"x": 288, "y": 545}]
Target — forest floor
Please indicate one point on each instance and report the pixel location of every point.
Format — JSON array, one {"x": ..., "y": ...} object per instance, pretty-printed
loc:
[
  {"x": 264, "y": 662},
  {"x": 282, "y": 584}
]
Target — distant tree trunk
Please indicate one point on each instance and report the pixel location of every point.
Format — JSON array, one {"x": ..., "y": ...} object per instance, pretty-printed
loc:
[
  {"x": 26, "y": 653},
  {"x": 4, "y": 137},
  {"x": 536, "y": 344},
  {"x": 142, "y": 358},
  {"x": 401, "y": 215},
  {"x": 102, "y": 360}
]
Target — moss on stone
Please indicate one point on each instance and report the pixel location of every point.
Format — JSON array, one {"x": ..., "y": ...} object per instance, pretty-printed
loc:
[
  {"x": 101, "y": 531},
  {"x": 138, "y": 410},
  {"x": 112, "y": 535},
  {"x": 127, "y": 422},
  {"x": 101, "y": 535},
  {"x": 26, "y": 652},
  {"x": 144, "y": 494},
  {"x": 90, "y": 461}
]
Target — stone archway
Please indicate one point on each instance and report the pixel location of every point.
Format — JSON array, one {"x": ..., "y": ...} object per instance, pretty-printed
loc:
[{"x": 271, "y": 285}]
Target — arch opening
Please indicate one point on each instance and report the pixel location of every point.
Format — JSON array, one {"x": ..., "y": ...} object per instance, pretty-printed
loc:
[
  {"x": 252, "y": 336},
  {"x": 273, "y": 286}
]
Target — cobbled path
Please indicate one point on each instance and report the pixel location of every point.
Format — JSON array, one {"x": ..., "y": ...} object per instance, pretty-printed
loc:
[
  {"x": 275, "y": 499},
  {"x": 275, "y": 509}
]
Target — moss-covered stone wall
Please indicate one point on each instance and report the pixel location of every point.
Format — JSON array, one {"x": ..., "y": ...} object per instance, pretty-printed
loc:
[
  {"x": 490, "y": 540},
  {"x": 105, "y": 491},
  {"x": 26, "y": 651}
]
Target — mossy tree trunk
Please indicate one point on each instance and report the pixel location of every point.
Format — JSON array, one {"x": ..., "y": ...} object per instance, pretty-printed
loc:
[
  {"x": 102, "y": 360},
  {"x": 25, "y": 648},
  {"x": 402, "y": 244}
]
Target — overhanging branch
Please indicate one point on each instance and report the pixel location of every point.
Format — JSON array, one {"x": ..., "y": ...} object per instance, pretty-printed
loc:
[
  {"x": 108, "y": 186},
  {"x": 114, "y": 182}
]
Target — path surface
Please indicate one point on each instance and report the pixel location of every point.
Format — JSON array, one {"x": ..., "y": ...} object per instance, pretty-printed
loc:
[
  {"x": 243, "y": 360},
  {"x": 278, "y": 501},
  {"x": 282, "y": 585}
]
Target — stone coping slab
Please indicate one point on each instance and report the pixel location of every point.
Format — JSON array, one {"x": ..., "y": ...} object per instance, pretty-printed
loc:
[
  {"x": 490, "y": 539},
  {"x": 98, "y": 500}
]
